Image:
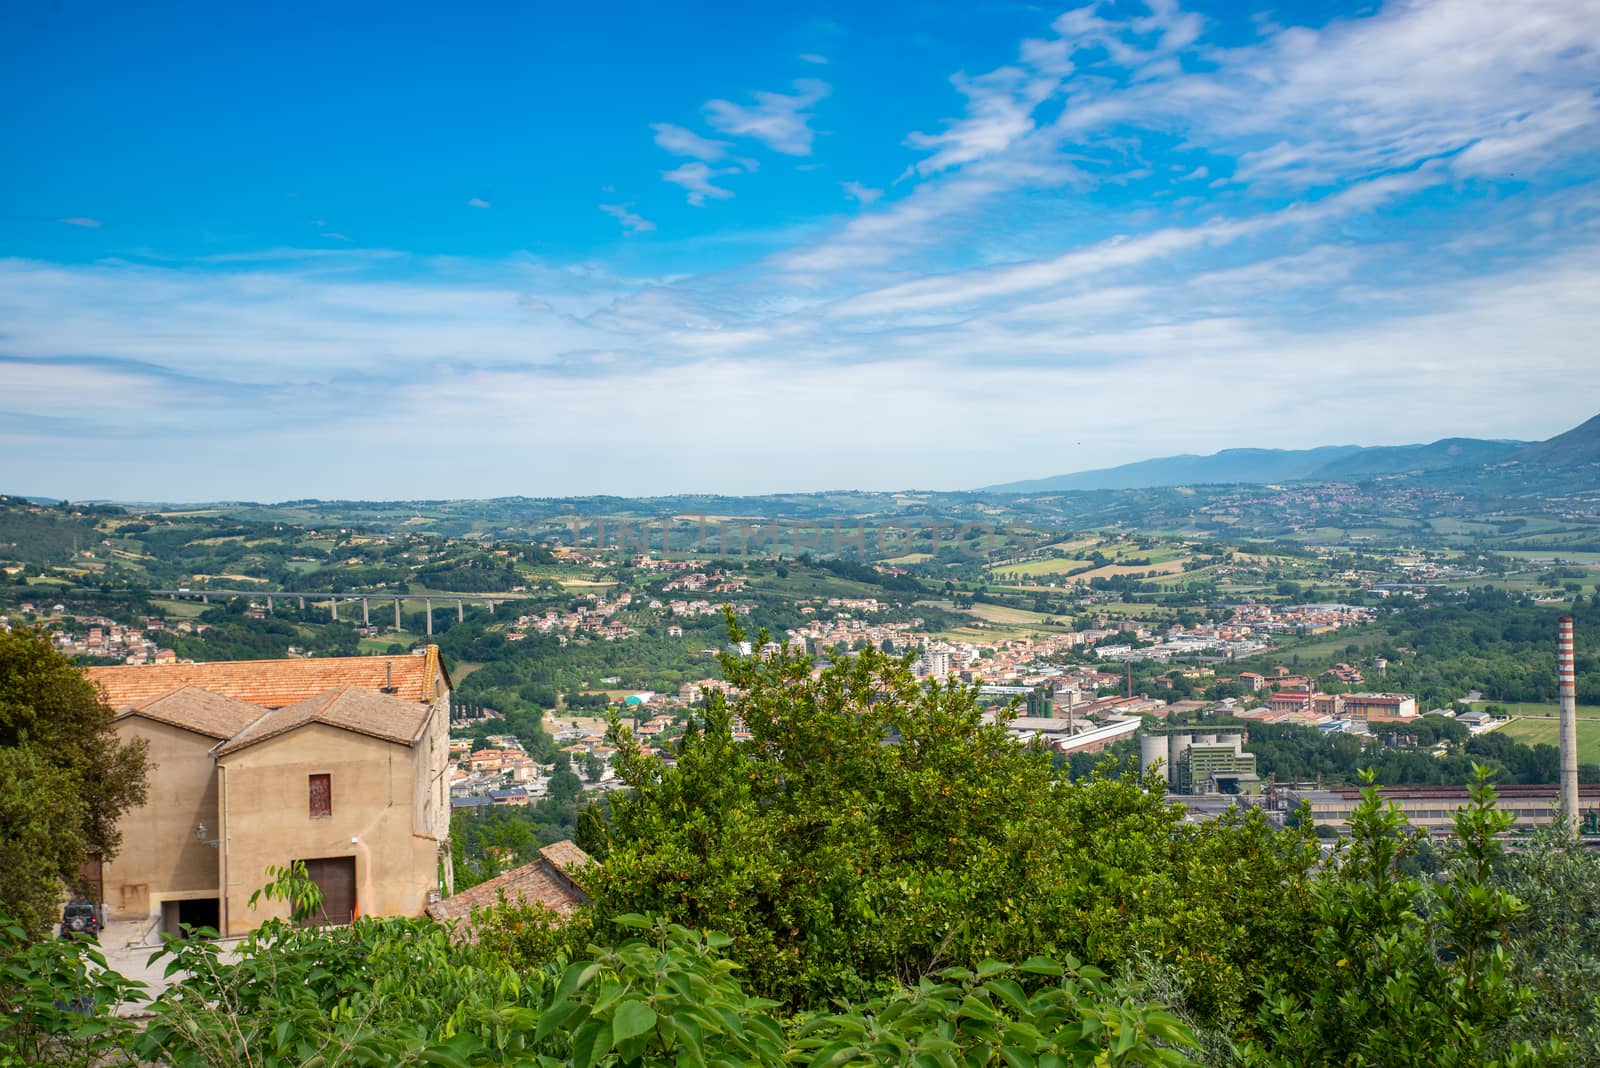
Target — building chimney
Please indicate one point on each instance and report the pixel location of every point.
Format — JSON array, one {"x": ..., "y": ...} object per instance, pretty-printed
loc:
[{"x": 1569, "y": 723}]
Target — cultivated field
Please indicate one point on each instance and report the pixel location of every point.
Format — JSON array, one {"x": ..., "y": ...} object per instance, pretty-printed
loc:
[{"x": 1542, "y": 728}]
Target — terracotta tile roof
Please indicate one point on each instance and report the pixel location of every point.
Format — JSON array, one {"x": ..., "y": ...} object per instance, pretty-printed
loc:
[
  {"x": 194, "y": 709},
  {"x": 349, "y": 707},
  {"x": 276, "y": 683},
  {"x": 544, "y": 882},
  {"x": 565, "y": 854}
]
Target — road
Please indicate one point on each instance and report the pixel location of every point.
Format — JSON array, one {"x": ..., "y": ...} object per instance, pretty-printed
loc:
[{"x": 127, "y": 946}]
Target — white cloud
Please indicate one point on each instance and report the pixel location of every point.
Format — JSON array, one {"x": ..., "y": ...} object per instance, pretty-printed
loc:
[
  {"x": 631, "y": 221},
  {"x": 1496, "y": 83},
  {"x": 812, "y": 57},
  {"x": 781, "y": 121},
  {"x": 696, "y": 178},
  {"x": 478, "y": 202},
  {"x": 84, "y": 221},
  {"x": 862, "y": 194},
  {"x": 999, "y": 112},
  {"x": 1494, "y": 356},
  {"x": 996, "y": 276},
  {"x": 682, "y": 142}
]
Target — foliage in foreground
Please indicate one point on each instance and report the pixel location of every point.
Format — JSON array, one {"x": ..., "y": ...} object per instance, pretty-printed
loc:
[
  {"x": 65, "y": 777},
  {"x": 1405, "y": 971},
  {"x": 875, "y": 853},
  {"x": 399, "y": 992},
  {"x": 875, "y": 830}
]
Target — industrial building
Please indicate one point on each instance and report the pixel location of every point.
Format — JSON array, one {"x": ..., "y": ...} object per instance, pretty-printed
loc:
[
  {"x": 1213, "y": 762},
  {"x": 1433, "y": 808}
]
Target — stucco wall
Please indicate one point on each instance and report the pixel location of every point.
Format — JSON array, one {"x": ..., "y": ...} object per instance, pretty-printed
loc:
[
  {"x": 266, "y": 803},
  {"x": 161, "y": 858},
  {"x": 432, "y": 790}
]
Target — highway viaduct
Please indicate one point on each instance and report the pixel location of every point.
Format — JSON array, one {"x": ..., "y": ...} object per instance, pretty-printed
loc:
[{"x": 270, "y": 596}]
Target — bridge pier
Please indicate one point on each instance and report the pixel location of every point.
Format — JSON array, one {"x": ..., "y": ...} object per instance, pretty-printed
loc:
[
  {"x": 366, "y": 613},
  {"x": 205, "y": 598},
  {"x": 491, "y": 608},
  {"x": 461, "y": 612},
  {"x": 427, "y": 606},
  {"x": 302, "y": 604},
  {"x": 333, "y": 608},
  {"x": 397, "y": 614},
  {"x": 269, "y": 604}
]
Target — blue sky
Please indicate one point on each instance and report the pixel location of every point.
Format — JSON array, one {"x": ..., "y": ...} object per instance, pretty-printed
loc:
[{"x": 363, "y": 250}]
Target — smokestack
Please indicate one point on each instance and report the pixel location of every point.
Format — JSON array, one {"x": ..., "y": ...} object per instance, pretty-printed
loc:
[{"x": 1569, "y": 723}]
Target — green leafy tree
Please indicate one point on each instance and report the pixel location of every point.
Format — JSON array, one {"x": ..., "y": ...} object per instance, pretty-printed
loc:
[
  {"x": 1555, "y": 942},
  {"x": 1403, "y": 972},
  {"x": 65, "y": 777},
  {"x": 876, "y": 828}
]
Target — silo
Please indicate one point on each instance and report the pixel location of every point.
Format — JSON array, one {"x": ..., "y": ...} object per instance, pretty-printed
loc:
[
  {"x": 1177, "y": 757},
  {"x": 1152, "y": 748}
]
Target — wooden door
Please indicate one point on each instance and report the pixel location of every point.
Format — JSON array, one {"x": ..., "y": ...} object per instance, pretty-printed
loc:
[{"x": 336, "y": 878}]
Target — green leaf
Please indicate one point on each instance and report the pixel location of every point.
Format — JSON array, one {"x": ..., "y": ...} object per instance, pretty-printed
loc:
[
  {"x": 576, "y": 976},
  {"x": 1009, "y": 992},
  {"x": 975, "y": 1008},
  {"x": 590, "y": 1043},
  {"x": 633, "y": 1018},
  {"x": 561, "y": 1016},
  {"x": 1039, "y": 966},
  {"x": 1016, "y": 1058},
  {"x": 842, "y": 1052},
  {"x": 443, "y": 1057}
]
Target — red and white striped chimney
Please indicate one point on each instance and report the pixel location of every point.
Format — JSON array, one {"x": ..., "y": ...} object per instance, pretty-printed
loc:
[{"x": 1567, "y": 682}]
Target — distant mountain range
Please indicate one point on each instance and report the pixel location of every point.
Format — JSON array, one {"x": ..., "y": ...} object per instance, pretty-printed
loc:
[{"x": 1578, "y": 447}]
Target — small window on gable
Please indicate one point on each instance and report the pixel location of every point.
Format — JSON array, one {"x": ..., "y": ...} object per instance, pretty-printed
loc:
[{"x": 321, "y": 796}]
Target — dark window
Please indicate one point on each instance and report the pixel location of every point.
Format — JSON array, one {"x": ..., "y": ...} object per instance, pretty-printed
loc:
[{"x": 321, "y": 796}]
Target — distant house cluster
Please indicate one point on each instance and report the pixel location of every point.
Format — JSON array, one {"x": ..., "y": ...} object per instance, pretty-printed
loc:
[{"x": 99, "y": 636}]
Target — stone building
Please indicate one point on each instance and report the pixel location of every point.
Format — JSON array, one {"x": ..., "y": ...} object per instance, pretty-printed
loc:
[{"x": 337, "y": 762}]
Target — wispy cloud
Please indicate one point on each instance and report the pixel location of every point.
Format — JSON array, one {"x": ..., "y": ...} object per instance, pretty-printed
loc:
[
  {"x": 1000, "y": 109},
  {"x": 1057, "y": 235},
  {"x": 84, "y": 221},
  {"x": 862, "y": 194},
  {"x": 479, "y": 202},
  {"x": 1486, "y": 83},
  {"x": 781, "y": 121},
  {"x": 813, "y": 57},
  {"x": 631, "y": 221},
  {"x": 696, "y": 179},
  {"x": 473, "y": 357},
  {"x": 682, "y": 142}
]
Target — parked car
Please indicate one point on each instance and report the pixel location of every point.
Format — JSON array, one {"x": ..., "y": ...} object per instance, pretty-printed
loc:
[{"x": 80, "y": 918}]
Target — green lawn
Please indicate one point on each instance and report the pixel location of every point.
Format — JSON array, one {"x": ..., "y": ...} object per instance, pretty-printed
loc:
[
  {"x": 1543, "y": 728},
  {"x": 1045, "y": 566},
  {"x": 381, "y": 643}
]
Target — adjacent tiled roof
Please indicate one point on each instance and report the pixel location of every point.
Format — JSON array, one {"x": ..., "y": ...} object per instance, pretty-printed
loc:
[
  {"x": 194, "y": 709},
  {"x": 565, "y": 854},
  {"x": 544, "y": 882},
  {"x": 349, "y": 707},
  {"x": 276, "y": 683}
]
